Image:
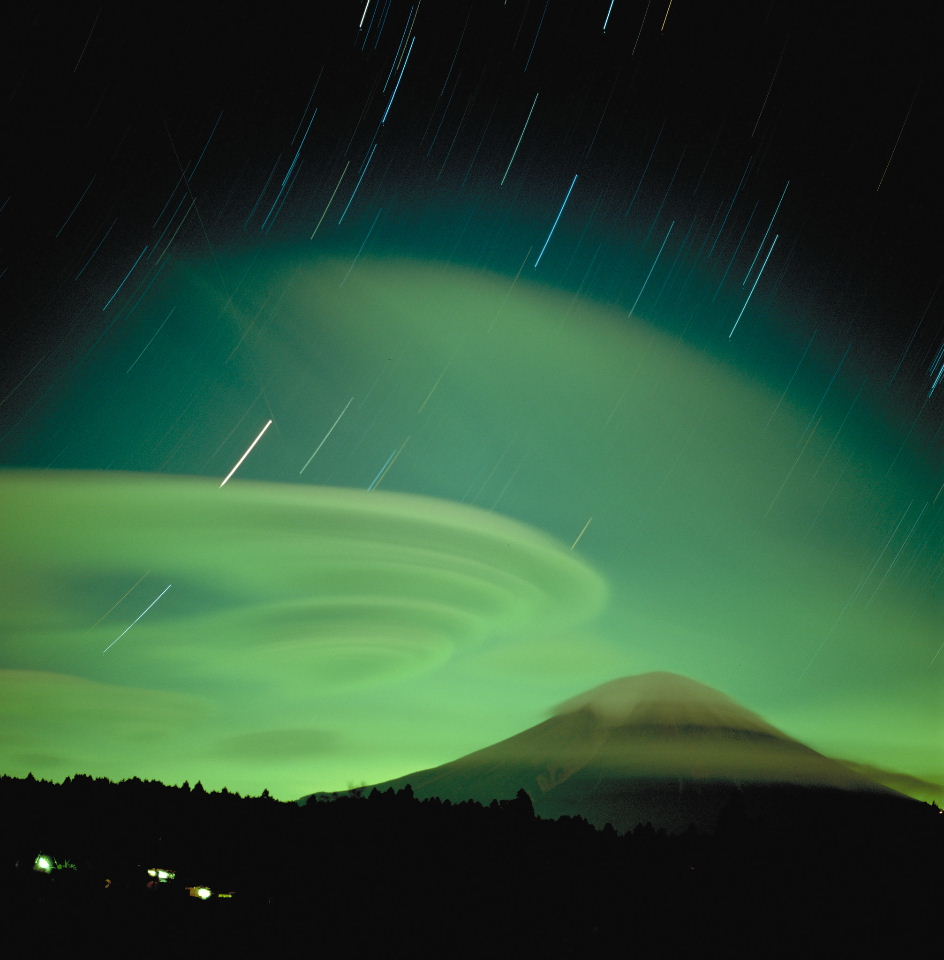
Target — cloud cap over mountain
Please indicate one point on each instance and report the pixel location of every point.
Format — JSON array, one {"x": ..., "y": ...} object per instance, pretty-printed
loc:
[{"x": 656, "y": 747}]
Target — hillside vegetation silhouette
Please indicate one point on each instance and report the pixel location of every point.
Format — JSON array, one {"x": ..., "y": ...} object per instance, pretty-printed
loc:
[{"x": 388, "y": 872}]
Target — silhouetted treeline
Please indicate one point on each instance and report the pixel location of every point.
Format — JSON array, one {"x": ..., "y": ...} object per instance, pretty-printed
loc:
[{"x": 387, "y": 873}]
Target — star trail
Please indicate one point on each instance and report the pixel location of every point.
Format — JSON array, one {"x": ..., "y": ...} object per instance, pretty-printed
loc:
[{"x": 534, "y": 345}]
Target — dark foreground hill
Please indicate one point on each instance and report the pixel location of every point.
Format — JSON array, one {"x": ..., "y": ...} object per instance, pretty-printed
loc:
[
  {"x": 658, "y": 748},
  {"x": 391, "y": 875}
]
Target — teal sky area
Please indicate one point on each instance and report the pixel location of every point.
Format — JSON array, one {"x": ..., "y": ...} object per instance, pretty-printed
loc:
[{"x": 480, "y": 494}]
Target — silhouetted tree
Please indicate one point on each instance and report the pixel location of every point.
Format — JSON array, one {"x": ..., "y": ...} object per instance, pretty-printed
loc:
[
  {"x": 466, "y": 861},
  {"x": 525, "y": 804}
]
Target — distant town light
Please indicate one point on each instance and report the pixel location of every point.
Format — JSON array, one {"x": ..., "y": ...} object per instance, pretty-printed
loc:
[
  {"x": 43, "y": 863},
  {"x": 204, "y": 892}
]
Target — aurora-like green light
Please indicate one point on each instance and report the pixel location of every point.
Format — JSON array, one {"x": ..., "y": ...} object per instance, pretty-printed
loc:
[
  {"x": 279, "y": 591},
  {"x": 319, "y": 635}
]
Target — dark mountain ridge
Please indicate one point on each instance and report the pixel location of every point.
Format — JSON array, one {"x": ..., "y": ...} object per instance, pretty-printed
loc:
[
  {"x": 658, "y": 748},
  {"x": 391, "y": 874}
]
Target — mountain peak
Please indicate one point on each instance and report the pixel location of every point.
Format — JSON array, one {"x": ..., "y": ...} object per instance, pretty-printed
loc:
[
  {"x": 656, "y": 747},
  {"x": 666, "y": 700}
]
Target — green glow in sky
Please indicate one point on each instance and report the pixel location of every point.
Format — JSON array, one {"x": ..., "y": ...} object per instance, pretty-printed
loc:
[
  {"x": 318, "y": 634},
  {"x": 275, "y": 593}
]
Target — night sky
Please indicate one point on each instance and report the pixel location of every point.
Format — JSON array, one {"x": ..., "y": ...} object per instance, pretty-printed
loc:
[{"x": 564, "y": 341}]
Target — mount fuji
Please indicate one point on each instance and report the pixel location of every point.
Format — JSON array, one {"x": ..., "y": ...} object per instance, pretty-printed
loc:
[{"x": 658, "y": 748}]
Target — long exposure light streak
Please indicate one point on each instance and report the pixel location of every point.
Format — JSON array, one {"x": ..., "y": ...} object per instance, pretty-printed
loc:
[
  {"x": 325, "y": 437},
  {"x": 291, "y": 169},
  {"x": 123, "y": 282},
  {"x": 153, "y": 337},
  {"x": 760, "y": 273},
  {"x": 370, "y": 156},
  {"x": 654, "y": 262},
  {"x": 385, "y": 469},
  {"x": 246, "y": 454},
  {"x": 763, "y": 239},
  {"x": 330, "y": 201},
  {"x": 583, "y": 530},
  {"x": 396, "y": 86},
  {"x": 520, "y": 138},
  {"x": 608, "y": 12},
  {"x": 556, "y": 221},
  {"x": 137, "y": 618}
]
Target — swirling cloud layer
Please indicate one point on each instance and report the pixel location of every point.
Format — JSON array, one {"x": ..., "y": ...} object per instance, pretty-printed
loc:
[{"x": 264, "y": 591}]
